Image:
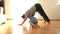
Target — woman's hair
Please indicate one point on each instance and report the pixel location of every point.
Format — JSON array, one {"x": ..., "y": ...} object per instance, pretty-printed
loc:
[{"x": 23, "y": 16}]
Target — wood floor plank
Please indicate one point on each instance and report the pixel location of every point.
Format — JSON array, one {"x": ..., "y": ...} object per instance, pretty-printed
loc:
[{"x": 53, "y": 28}]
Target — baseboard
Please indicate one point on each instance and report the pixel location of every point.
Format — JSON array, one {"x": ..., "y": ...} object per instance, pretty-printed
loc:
[
  {"x": 9, "y": 19},
  {"x": 43, "y": 19},
  {"x": 51, "y": 19}
]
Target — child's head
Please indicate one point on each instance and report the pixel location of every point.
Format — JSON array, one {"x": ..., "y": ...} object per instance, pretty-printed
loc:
[{"x": 23, "y": 16}]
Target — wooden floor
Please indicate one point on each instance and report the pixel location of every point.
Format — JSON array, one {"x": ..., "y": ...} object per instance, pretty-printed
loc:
[{"x": 53, "y": 28}]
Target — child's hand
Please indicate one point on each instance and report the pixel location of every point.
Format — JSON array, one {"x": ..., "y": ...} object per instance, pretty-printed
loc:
[{"x": 19, "y": 24}]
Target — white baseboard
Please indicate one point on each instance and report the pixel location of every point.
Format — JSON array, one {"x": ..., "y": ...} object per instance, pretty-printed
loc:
[
  {"x": 51, "y": 19},
  {"x": 43, "y": 19}
]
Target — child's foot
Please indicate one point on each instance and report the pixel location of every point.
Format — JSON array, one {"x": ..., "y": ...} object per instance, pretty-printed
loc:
[
  {"x": 35, "y": 26},
  {"x": 38, "y": 26},
  {"x": 44, "y": 22}
]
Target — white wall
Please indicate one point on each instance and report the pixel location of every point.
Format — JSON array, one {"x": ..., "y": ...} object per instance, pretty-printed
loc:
[
  {"x": 7, "y": 8},
  {"x": 13, "y": 8},
  {"x": 51, "y": 8}
]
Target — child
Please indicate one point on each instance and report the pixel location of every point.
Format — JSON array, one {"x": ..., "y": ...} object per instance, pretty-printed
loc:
[
  {"x": 30, "y": 14},
  {"x": 33, "y": 21}
]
